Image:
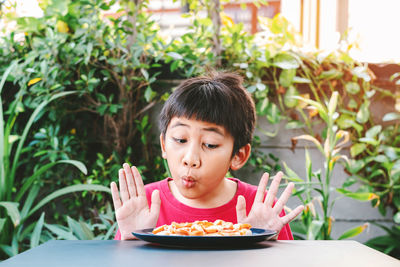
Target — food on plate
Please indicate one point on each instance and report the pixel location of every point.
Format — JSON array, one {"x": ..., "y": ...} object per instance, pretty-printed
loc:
[{"x": 204, "y": 228}]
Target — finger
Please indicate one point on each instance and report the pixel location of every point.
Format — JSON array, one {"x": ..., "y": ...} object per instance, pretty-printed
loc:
[
  {"x": 138, "y": 182},
  {"x": 241, "y": 209},
  {"x": 291, "y": 215},
  {"x": 155, "y": 204},
  {"x": 123, "y": 186},
  {"x": 273, "y": 189},
  {"x": 284, "y": 198},
  {"x": 261, "y": 188},
  {"x": 115, "y": 196},
  {"x": 130, "y": 180}
]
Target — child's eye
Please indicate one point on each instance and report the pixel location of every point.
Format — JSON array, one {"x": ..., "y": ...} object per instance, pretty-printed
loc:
[
  {"x": 179, "y": 140},
  {"x": 211, "y": 146}
]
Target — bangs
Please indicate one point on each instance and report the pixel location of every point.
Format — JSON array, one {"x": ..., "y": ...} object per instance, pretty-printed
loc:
[{"x": 209, "y": 104}]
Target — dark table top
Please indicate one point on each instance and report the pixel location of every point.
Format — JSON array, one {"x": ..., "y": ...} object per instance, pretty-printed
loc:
[{"x": 139, "y": 253}]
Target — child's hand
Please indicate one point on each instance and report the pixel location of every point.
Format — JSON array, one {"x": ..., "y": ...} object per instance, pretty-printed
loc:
[
  {"x": 131, "y": 210},
  {"x": 262, "y": 213}
]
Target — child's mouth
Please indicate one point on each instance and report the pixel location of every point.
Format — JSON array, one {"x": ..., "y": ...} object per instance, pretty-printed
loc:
[{"x": 188, "y": 182}]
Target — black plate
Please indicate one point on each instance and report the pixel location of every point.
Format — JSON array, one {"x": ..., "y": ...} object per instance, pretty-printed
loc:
[{"x": 205, "y": 241}]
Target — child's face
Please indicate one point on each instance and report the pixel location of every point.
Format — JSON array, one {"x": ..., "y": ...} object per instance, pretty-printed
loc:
[{"x": 199, "y": 154}]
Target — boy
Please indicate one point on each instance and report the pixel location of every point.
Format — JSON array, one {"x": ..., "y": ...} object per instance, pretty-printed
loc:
[{"x": 206, "y": 129}]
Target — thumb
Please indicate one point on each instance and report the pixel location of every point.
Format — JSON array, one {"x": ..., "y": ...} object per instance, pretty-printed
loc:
[
  {"x": 241, "y": 209},
  {"x": 155, "y": 203}
]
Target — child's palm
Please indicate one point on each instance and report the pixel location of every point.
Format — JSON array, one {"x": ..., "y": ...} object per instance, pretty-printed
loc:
[
  {"x": 263, "y": 213},
  {"x": 132, "y": 210}
]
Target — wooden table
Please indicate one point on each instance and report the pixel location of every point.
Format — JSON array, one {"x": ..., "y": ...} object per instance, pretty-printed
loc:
[{"x": 139, "y": 253}]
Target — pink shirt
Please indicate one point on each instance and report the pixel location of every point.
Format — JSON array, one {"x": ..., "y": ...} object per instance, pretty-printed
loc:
[{"x": 172, "y": 210}]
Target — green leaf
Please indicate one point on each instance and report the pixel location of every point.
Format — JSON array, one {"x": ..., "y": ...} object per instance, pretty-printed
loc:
[
  {"x": 390, "y": 152},
  {"x": 286, "y": 61},
  {"x": 330, "y": 74},
  {"x": 355, "y": 166},
  {"x": 294, "y": 125},
  {"x": 363, "y": 113},
  {"x": 314, "y": 229},
  {"x": 252, "y": 88},
  {"x": 353, "y": 232},
  {"x": 308, "y": 165},
  {"x": 333, "y": 103},
  {"x": 298, "y": 227},
  {"x": 30, "y": 24},
  {"x": 378, "y": 172},
  {"x": 361, "y": 196},
  {"x": 262, "y": 105},
  {"x": 76, "y": 228},
  {"x": 61, "y": 232},
  {"x": 396, "y": 217},
  {"x": 352, "y": 104},
  {"x": 12, "y": 211},
  {"x": 261, "y": 86},
  {"x": 102, "y": 109},
  {"x": 175, "y": 55},
  {"x": 289, "y": 101},
  {"x": 2, "y": 222},
  {"x": 394, "y": 76},
  {"x": 149, "y": 94},
  {"x": 374, "y": 131},
  {"x": 33, "y": 192},
  {"x": 273, "y": 115},
  {"x": 357, "y": 149},
  {"x": 301, "y": 80},
  {"x": 368, "y": 140},
  {"x": 87, "y": 232},
  {"x": 29, "y": 181},
  {"x": 391, "y": 116},
  {"x": 381, "y": 159},
  {"x": 37, "y": 232},
  {"x": 352, "y": 88},
  {"x": 102, "y": 98},
  {"x": 291, "y": 175},
  {"x": 350, "y": 181},
  {"x": 3, "y": 178},
  {"x": 145, "y": 74},
  {"x": 345, "y": 121},
  {"x": 286, "y": 77},
  {"x": 58, "y": 7},
  {"x": 110, "y": 231},
  {"x": 67, "y": 190}
]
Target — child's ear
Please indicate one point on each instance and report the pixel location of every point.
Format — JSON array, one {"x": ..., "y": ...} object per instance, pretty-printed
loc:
[
  {"x": 241, "y": 157},
  {"x": 162, "y": 143}
]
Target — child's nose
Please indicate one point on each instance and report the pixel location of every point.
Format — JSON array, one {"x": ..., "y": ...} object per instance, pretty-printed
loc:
[
  {"x": 191, "y": 160},
  {"x": 191, "y": 163}
]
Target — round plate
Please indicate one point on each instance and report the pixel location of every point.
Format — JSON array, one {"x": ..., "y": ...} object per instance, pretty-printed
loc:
[{"x": 258, "y": 235}]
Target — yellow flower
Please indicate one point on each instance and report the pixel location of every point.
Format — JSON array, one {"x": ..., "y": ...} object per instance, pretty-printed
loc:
[
  {"x": 226, "y": 20},
  {"x": 73, "y": 131},
  {"x": 33, "y": 81},
  {"x": 62, "y": 26}
]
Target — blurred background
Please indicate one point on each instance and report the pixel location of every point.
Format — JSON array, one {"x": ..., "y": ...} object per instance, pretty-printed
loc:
[{"x": 82, "y": 83}]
